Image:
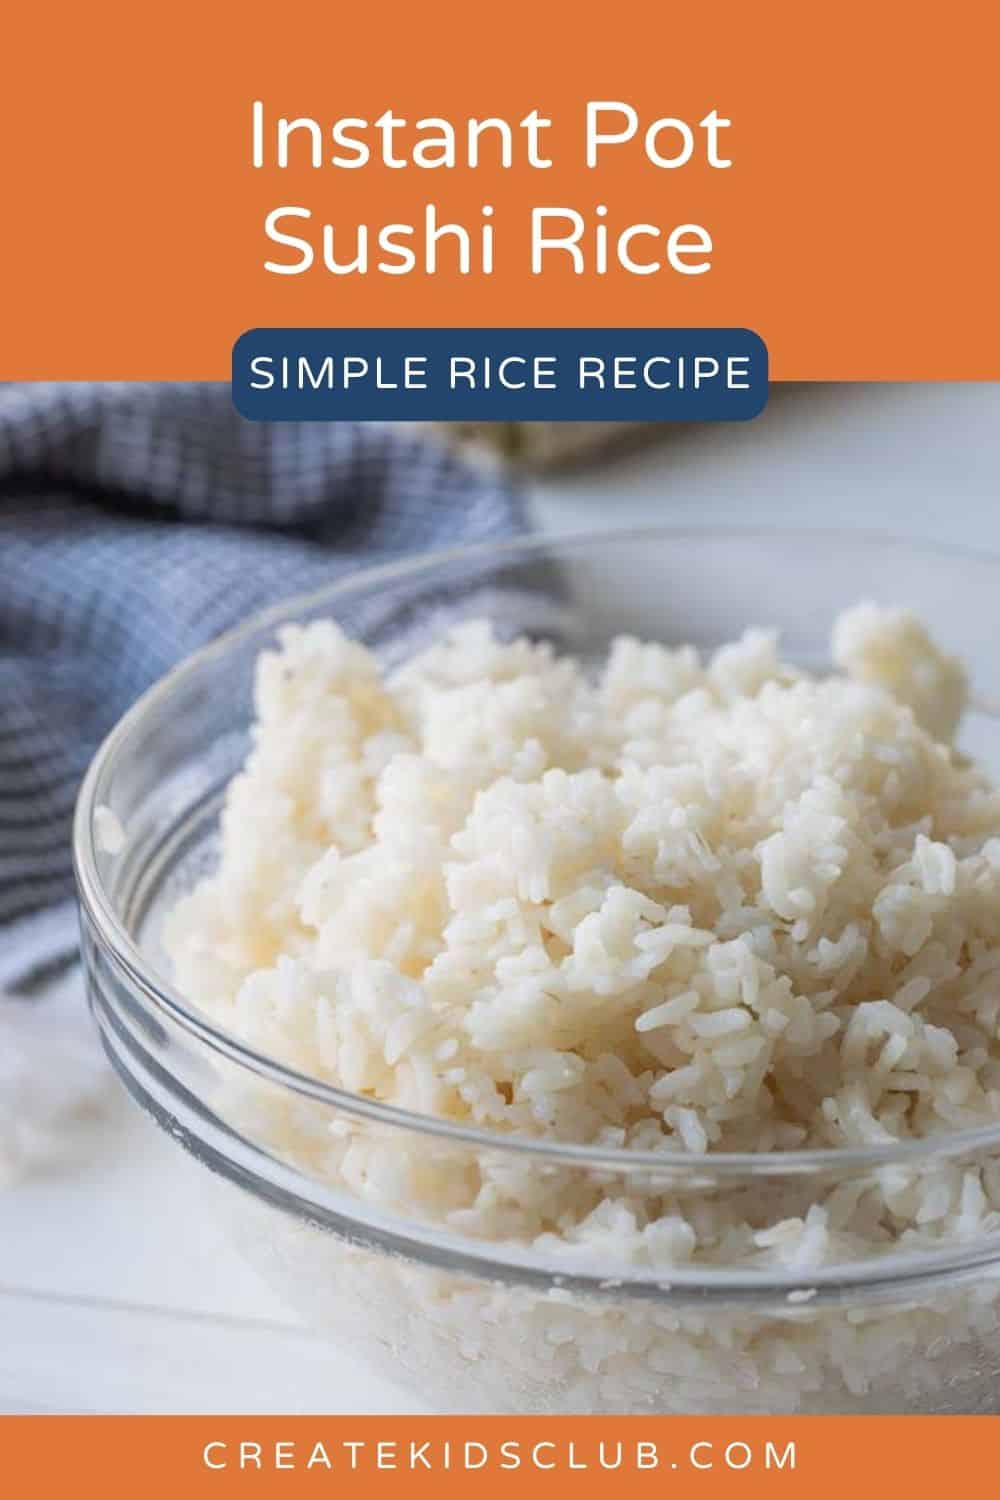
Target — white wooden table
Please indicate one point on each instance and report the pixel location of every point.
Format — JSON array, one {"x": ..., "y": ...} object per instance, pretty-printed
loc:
[{"x": 114, "y": 1294}]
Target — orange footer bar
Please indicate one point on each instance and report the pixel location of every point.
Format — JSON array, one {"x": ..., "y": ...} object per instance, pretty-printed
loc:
[{"x": 188, "y": 1457}]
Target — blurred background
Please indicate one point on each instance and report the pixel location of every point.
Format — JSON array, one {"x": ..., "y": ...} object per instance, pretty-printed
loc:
[
  {"x": 113, "y": 1294},
  {"x": 922, "y": 460}
]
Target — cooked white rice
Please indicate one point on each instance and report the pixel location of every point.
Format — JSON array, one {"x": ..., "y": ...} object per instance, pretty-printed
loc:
[{"x": 673, "y": 905}]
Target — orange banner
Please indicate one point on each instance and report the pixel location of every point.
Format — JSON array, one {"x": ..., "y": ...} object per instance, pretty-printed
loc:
[
  {"x": 839, "y": 158},
  {"x": 526, "y": 1456}
]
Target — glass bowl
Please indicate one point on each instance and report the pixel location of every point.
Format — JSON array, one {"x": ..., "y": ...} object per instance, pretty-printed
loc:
[{"x": 501, "y": 1325}]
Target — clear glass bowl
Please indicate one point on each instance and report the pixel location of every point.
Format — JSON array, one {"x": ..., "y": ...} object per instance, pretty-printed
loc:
[{"x": 501, "y": 1325}]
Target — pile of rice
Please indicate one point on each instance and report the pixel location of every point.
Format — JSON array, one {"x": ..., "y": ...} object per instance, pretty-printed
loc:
[{"x": 672, "y": 905}]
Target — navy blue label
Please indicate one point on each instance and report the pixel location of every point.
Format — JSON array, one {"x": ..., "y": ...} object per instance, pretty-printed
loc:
[{"x": 500, "y": 374}]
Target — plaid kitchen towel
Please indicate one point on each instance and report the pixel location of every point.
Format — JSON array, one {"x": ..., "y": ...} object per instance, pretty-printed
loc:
[{"x": 137, "y": 521}]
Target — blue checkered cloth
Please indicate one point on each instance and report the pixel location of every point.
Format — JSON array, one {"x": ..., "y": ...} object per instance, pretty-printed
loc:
[{"x": 137, "y": 522}]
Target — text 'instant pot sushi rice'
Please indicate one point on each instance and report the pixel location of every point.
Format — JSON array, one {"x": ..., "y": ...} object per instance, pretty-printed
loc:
[{"x": 668, "y": 905}]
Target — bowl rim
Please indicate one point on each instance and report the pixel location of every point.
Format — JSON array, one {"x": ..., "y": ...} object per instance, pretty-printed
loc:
[{"x": 97, "y": 906}]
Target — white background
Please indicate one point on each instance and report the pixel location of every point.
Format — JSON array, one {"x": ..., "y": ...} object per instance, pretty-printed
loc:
[{"x": 114, "y": 1294}]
